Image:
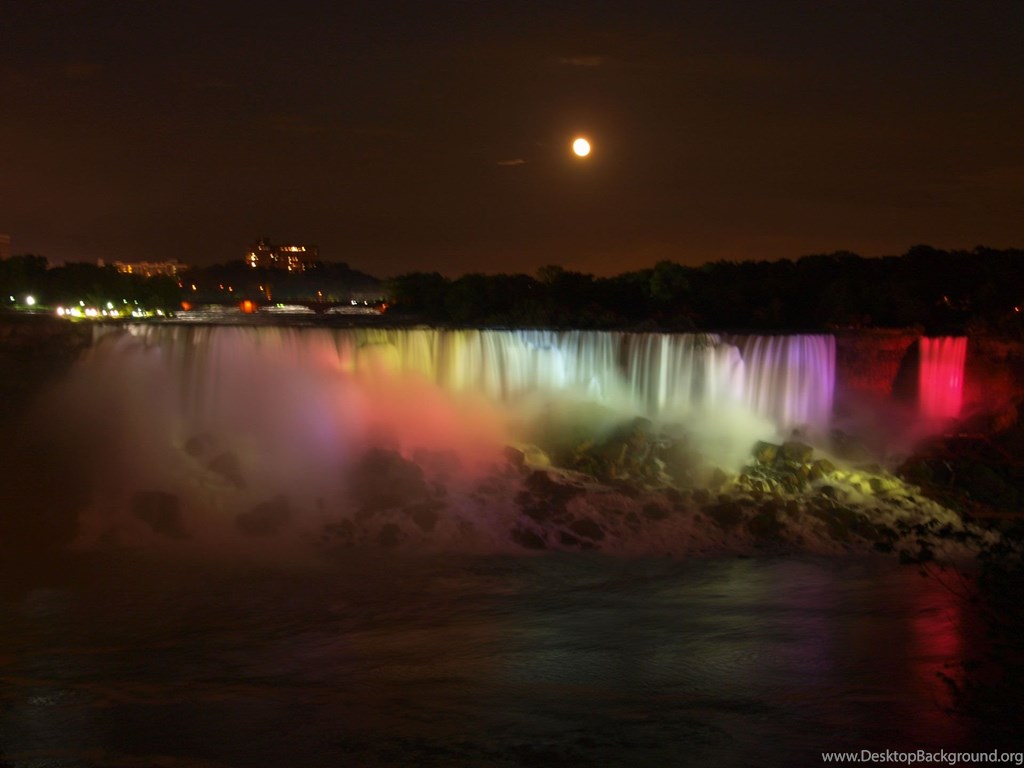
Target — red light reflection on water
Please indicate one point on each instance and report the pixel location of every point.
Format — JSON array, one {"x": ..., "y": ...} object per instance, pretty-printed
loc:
[{"x": 939, "y": 629}]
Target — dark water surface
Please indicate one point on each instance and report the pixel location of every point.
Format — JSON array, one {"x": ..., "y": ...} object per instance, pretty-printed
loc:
[{"x": 400, "y": 661}]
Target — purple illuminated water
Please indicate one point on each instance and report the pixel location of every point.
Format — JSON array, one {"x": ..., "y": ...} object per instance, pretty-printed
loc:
[{"x": 788, "y": 379}]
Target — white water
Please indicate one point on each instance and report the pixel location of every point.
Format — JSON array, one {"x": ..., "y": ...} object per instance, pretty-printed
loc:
[
  {"x": 384, "y": 659},
  {"x": 327, "y": 392},
  {"x": 788, "y": 379},
  {"x": 274, "y": 437},
  {"x": 233, "y": 418}
]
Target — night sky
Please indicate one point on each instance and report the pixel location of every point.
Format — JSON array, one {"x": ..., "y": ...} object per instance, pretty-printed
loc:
[{"x": 403, "y": 136}]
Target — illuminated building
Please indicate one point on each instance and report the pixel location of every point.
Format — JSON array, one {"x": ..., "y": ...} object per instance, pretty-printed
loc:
[
  {"x": 150, "y": 268},
  {"x": 293, "y": 258}
]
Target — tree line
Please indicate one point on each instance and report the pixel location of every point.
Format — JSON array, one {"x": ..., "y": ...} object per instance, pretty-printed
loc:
[
  {"x": 30, "y": 275},
  {"x": 939, "y": 291}
]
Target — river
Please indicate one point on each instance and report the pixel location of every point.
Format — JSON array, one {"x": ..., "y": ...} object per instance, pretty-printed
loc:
[{"x": 398, "y": 660}]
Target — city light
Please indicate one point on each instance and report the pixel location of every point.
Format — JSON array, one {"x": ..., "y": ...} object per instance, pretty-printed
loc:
[
  {"x": 30, "y": 301},
  {"x": 108, "y": 311}
]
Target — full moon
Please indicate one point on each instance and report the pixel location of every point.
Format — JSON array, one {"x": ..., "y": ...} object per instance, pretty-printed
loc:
[{"x": 581, "y": 147}]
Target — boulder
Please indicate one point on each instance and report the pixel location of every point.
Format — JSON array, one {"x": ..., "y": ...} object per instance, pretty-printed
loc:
[
  {"x": 384, "y": 479},
  {"x": 680, "y": 462},
  {"x": 765, "y": 453},
  {"x": 425, "y": 515},
  {"x": 728, "y": 514},
  {"x": 540, "y": 483},
  {"x": 821, "y": 468},
  {"x": 587, "y": 528},
  {"x": 535, "y": 457},
  {"x": 794, "y": 450},
  {"x": 766, "y": 524},
  {"x": 623, "y": 455},
  {"x": 515, "y": 457},
  {"x": 655, "y": 511},
  {"x": 526, "y": 538}
]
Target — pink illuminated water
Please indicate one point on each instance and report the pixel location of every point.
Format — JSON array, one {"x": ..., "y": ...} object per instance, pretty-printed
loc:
[
  {"x": 790, "y": 379},
  {"x": 941, "y": 376},
  {"x": 787, "y": 379},
  {"x": 209, "y": 425}
]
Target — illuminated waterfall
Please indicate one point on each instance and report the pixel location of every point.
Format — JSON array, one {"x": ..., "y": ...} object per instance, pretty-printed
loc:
[
  {"x": 209, "y": 431},
  {"x": 790, "y": 379},
  {"x": 237, "y": 434},
  {"x": 941, "y": 376},
  {"x": 787, "y": 379}
]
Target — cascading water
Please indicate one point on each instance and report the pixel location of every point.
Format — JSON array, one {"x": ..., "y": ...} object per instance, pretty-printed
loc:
[
  {"x": 193, "y": 457},
  {"x": 790, "y": 379},
  {"x": 941, "y": 376},
  {"x": 202, "y": 423}
]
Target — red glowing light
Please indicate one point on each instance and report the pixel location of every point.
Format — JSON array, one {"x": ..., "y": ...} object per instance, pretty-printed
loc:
[
  {"x": 186, "y": 306},
  {"x": 248, "y": 306},
  {"x": 941, "y": 376}
]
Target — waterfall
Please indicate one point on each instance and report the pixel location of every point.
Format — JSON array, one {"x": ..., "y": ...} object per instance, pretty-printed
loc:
[
  {"x": 941, "y": 376},
  {"x": 213, "y": 432},
  {"x": 790, "y": 379},
  {"x": 786, "y": 379}
]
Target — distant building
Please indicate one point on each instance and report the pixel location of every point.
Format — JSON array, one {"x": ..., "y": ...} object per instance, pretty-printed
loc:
[
  {"x": 293, "y": 258},
  {"x": 150, "y": 268},
  {"x": 5, "y": 246}
]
